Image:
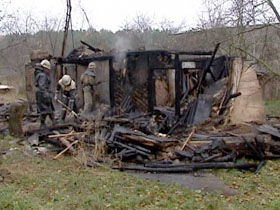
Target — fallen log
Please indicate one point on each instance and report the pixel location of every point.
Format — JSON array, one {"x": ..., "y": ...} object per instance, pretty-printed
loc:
[
  {"x": 188, "y": 167},
  {"x": 237, "y": 142}
]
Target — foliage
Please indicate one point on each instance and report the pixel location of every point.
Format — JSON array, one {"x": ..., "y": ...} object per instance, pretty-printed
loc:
[{"x": 272, "y": 107}]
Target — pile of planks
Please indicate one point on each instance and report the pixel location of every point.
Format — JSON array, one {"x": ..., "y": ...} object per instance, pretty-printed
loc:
[{"x": 126, "y": 143}]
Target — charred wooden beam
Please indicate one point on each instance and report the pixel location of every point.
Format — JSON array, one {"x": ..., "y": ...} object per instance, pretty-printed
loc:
[
  {"x": 151, "y": 89},
  {"x": 188, "y": 167},
  {"x": 130, "y": 148},
  {"x": 83, "y": 60},
  {"x": 112, "y": 83},
  {"x": 207, "y": 69},
  {"x": 178, "y": 85},
  {"x": 94, "y": 49}
]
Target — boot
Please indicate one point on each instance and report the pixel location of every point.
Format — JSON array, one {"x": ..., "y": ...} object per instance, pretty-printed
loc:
[
  {"x": 62, "y": 115},
  {"x": 42, "y": 120},
  {"x": 53, "y": 119}
]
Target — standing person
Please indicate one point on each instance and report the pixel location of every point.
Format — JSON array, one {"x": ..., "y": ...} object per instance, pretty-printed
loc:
[
  {"x": 67, "y": 86},
  {"x": 43, "y": 92},
  {"x": 88, "y": 83}
]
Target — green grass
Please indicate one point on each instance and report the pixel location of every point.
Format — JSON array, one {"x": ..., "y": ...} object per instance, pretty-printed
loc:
[
  {"x": 43, "y": 183},
  {"x": 272, "y": 107}
]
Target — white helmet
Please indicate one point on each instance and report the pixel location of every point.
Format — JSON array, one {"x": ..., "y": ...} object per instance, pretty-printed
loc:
[
  {"x": 92, "y": 65},
  {"x": 66, "y": 80},
  {"x": 46, "y": 64}
]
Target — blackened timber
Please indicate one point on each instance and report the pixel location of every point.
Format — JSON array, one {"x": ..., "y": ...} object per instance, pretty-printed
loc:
[
  {"x": 121, "y": 145},
  {"x": 83, "y": 60},
  {"x": 94, "y": 49},
  {"x": 181, "y": 168},
  {"x": 207, "y": 165},
  {"x": 111, "y": 84},
  {"x": 207, "y": 69},
  {"x": 196, "y": 52},
  {"x": 194, "y": 59},
  {"x": 165, "y": 52},
  {"x": 178, "y": 78},
  {"x": 151, "y": 89},
  {"x": 185, "y": 154}
]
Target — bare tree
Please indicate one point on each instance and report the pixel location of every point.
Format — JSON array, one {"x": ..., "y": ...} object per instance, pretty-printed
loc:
[{"x": 270, "y": 3}]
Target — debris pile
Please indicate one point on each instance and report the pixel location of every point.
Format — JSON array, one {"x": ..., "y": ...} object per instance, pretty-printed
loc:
[
  {"x": 134, "y": 139},
  {"x": 185, "y": 126}
]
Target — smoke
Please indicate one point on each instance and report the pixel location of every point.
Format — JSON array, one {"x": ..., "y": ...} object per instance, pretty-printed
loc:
[{"x": 122, "y": 45}]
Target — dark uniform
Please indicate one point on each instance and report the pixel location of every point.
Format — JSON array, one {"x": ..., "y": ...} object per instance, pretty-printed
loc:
[{"x": 43, "y": 94}]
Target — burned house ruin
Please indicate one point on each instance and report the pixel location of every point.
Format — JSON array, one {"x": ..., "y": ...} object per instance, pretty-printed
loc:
[
  {"x": 185, "y": 87},
  {"x": 166, "y": 105},
  {"x": 146, "y": 80}
]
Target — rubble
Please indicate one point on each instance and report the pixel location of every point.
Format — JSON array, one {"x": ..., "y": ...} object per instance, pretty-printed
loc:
[{"x": 186, "y": 128}]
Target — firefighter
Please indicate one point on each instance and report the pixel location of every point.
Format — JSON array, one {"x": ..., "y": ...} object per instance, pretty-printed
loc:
[
  {"x": 43, "y": 91},
  {"x": 67, "y": 86},
  {"x": 89, "y": 84}
]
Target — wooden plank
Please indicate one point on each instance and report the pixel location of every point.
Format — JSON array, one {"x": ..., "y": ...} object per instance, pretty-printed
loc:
[
  {"x": 69, "y": 147},
  {"x": 188, "y": 139}
]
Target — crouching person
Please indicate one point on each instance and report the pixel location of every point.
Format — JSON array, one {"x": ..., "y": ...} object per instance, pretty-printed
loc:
[
  {"x": 67, "y": 86},
  {"x": 43, "y": 92}
]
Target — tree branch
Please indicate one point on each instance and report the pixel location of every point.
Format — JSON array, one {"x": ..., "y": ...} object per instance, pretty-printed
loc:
[
  {"x": 274, "y": 10},
  {"x": 258, "y": 60}
]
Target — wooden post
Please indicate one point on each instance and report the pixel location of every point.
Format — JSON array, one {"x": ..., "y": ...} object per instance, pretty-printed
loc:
[
  {"x": 16, "y": 113},
  {"x": 111, "y": 83},
  {"x": 151, "y": 88},
  {"x": 178, "y": 85},
  {"x": 30, "y": 88}
]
